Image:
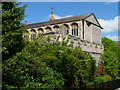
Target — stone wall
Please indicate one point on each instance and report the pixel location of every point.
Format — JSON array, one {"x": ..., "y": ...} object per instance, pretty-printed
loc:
[
  {"x": 92, "y": 19},
  {"x": 94, "y": 49},
  {"x": 87, "y": 32},
  {"x": 96, "y": 33}
]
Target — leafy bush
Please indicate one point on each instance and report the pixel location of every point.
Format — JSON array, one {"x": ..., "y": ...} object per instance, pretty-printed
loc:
[
  {"x": 75, "y": 65},
  {"x": 100, "y": 70},
  {"x": 103, "y": 78},
  {"x": 24, "y": 70},
  {"x": 110, "y": 57},
  {"x": 49, "y": 64}
]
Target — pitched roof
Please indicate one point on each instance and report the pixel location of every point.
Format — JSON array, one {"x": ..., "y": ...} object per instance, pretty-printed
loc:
[{"x": 58, "y": 21}]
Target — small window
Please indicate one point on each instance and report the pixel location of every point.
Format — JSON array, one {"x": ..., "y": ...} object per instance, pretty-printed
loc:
[
  {"x": 88, "y": 23},
  {"x": 67, "y": 31}
]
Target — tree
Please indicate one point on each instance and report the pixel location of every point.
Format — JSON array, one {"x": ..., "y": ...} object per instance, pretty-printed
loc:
[
  {"x": 110, "y": 57},
  {"x": 12, "y": 15},
  {"x": 48, "y": 64},
  {"x": 25, "y": 70},
  {"x": 77, "y": 67}
]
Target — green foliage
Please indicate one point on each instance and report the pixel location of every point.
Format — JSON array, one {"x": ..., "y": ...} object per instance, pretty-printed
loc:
[
  {"x": 76, "y": 66},
  {"x": 103, "y": 78},
  {"x": 25, "y": 70},
  {"x": 100, "y": 70},
  {"x": 12, "y": 15},
  {"x": 46, "y": 64},
  {"x": 110, "y": 57},
  {"x": 119, "y": 59}
]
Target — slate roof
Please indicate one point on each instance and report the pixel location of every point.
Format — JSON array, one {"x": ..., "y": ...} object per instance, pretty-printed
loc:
[{"x": 58, "y": 21}]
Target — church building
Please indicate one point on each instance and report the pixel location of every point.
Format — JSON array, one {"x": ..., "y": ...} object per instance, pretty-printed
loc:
[{"x": 83, "y": 31}]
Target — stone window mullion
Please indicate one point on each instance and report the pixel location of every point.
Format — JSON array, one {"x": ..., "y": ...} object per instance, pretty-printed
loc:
[
  {"x": 74, "y": 31},
  {"x": 77, "y": 31}
]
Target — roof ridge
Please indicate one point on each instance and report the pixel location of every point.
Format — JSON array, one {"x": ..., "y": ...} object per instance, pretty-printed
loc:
[{"x": 61, "y": 19}]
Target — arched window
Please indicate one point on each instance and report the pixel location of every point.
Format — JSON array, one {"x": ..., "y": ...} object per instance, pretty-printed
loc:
[
  {"x": 74, "y": 29},
  {"x": 56, "y": 28},
  {"x": 65, "y": 30},
  {"x": 40, "y": 32},
  {"x": 48, "y": 29},
  {"x": 33, "y": 35}
]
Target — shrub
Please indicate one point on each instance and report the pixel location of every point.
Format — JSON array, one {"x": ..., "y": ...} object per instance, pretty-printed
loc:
[
  {"x": 24, "y": 70},
  {"x": 49, "y": 64},
  {"x": 104, "y": 78},
  {"x": 100, "y": 70},
  {"x": 75, "y": 65},
  {"x": 110, "y": 57}
]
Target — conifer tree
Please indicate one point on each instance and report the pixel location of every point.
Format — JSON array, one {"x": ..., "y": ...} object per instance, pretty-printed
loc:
[{"x": 12, "y": 15}]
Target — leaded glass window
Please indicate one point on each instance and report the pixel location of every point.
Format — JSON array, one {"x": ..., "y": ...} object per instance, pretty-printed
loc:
[{"x": 74, "y": 29}]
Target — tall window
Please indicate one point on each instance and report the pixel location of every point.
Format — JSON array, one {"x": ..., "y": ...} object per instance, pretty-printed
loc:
[
  {"x": 40, "y": 32},
  {"x": 74, "y": 29},
  {"x": 65, "y": 30},
  {"x": 56, "y": 28},
  {"x": 48, "y": 29},
  {"x": 33, "y": 35}
]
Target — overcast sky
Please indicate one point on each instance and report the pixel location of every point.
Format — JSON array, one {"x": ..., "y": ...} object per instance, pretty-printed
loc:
[{"x": 106, "y": 13}]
